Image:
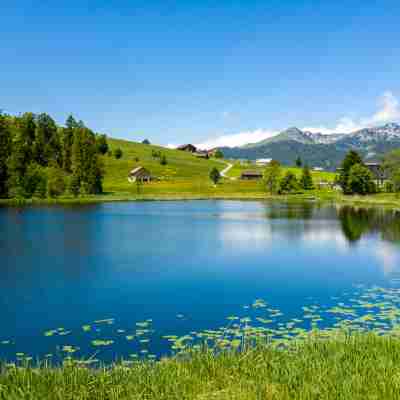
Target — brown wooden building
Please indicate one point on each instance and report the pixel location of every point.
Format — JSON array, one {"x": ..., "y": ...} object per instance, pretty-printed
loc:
[
  {"x": 251, "y": 175},
  {"x": 139, "y": 174},
  {"x": 377, "y": 170},
  {"x": 187, "y": 147}
]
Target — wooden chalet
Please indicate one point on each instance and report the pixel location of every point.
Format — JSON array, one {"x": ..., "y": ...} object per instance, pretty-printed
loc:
[
  {"x": 251, "y": 175},
  {"x": 187, "y": 147},
  {"x": 377, "y": 170},
  {"x": 139, "y": 174}
]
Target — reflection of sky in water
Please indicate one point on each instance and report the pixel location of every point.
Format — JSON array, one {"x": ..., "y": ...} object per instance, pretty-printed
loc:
[{"x": 132, "y": 261}]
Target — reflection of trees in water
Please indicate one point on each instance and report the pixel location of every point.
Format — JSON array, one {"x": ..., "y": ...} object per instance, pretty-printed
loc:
[
  {"x": 300, "y": 218},
  {"x": 291, "y": 210},
  {"x": 354, "y": 222},
  {"x": 357, "y": 222}
]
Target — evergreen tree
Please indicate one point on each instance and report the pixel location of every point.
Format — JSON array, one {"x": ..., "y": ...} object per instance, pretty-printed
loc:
[
  {"x": 67, "y": 141},
  {"x": 34, "y": 181},
  {"x": 47, "y": 144},
  {"x": 17, "y": 164},
  {"x": 215, "y": 176},
  {"x": 306, "y": 181},
  {"x": 163, "y": 160},
  {"x": 218, "y": 154},
  {"x": 102, "y": 145},
  {"x": 55, "y": 181},
  {"x": 86, "y": 166},
  {"x": 74, "y": 185},
  {"x": 360, "y": 180},
  {"x": 118, "y": 153},
  {"x": 299, "y": 163},
  {"x": 352, "y": 158},
  {"x": 272, "y": 174},
  {"x": 289, "y": 183},
  {"x": 5, "y": 149}
]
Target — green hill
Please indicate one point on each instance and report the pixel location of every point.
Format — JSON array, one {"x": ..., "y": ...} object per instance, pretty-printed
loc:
[{"x": 183, "y": 173}]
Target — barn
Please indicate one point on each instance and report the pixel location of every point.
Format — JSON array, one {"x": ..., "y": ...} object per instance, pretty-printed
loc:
[{"x": 139, "y": 174}]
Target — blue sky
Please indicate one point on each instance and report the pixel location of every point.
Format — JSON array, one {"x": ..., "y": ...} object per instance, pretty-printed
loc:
[{"x": 196, "y": 71}]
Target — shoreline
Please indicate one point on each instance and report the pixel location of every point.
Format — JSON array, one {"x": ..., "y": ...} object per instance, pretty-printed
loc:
[{"x": 389, "y": 201}]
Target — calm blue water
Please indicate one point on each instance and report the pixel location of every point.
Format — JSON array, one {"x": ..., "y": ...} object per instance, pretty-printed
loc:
[{"x": 185, "y": 265}]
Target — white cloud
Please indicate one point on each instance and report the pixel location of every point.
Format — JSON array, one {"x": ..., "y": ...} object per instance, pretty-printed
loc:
[
  {"x": 237, "y": 139},
  {"x": 388, "y": 111}
]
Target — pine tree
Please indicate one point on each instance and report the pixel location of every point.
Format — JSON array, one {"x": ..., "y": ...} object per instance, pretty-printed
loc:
[
  {"x": 360, "y": 180},
  {"x": 288, "y": 183},
  {"x": 272, "y": 174},
  {"x": 5, "y": 148},
  {"x": 102, "y": 145},
  {"x": 306, "y": 181},
  {"x": 299, "y": 163},
  {"x": 67, "y": 141},
  {"x": 352, "y": 158},
  {"x": 215, "y": 176},
  {"x": 47, "y": 145}
]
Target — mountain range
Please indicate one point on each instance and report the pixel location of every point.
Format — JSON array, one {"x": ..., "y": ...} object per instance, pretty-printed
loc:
[{"x": 317, "y": 149}]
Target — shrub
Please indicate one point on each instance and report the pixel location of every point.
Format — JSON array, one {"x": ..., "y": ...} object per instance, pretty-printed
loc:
[
  {"x": 163, "y": 160},
  {"x": 118, "y": 153},
  {"x": 289, "y": 183}
]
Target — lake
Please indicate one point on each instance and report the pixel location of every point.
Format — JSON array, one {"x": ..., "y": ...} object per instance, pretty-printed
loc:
[{"x": 112, "y": 280}]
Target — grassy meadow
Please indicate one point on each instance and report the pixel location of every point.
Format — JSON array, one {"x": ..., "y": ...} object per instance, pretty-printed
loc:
[
  {"x": 183, "y": 176},
  {"x": 364, "y": 366}
]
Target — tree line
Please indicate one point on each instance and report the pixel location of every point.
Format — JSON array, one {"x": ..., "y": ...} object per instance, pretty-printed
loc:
[{"x": 40, "y": 159}]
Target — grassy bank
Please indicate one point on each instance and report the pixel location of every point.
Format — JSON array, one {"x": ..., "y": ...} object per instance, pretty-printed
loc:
[
  {"x": 363, "y": 366},
  {"x": 186, "y": 177},
  {"x": 254, "y": 192}
]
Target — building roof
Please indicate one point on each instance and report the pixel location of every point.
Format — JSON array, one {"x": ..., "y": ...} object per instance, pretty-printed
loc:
[
  {"x": 251, "y": 173},
  {"x": 185, "y": 146},
  {"x": 373, "y": 164},
  {"x": 263, "y": 160},
  {"x": 136, "y": 170}
]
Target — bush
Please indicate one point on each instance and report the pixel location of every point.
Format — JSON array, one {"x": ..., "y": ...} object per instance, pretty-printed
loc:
[
  {"x": 289, "y": 183},
  {"x": 163, "y": 160},
  {"x": 146, "y": 141},
  {"x": 118, "y": 153}
]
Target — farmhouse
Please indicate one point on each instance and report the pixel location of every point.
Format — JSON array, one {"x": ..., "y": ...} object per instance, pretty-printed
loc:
[
  {"x": 263, "y": 161},
  {"x": 251, "y": 175},
  {"x": 379, "y": 173},
  {"x": 139, "y": 174},
  {"x": 187, "y": 147}
]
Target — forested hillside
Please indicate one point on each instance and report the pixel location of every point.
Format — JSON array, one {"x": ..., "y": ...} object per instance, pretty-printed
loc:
[{"x": 39, "y": 158}]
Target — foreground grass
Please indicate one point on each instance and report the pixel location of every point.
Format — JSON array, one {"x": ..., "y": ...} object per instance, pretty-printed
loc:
[{"x": 361, "y": 366}]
